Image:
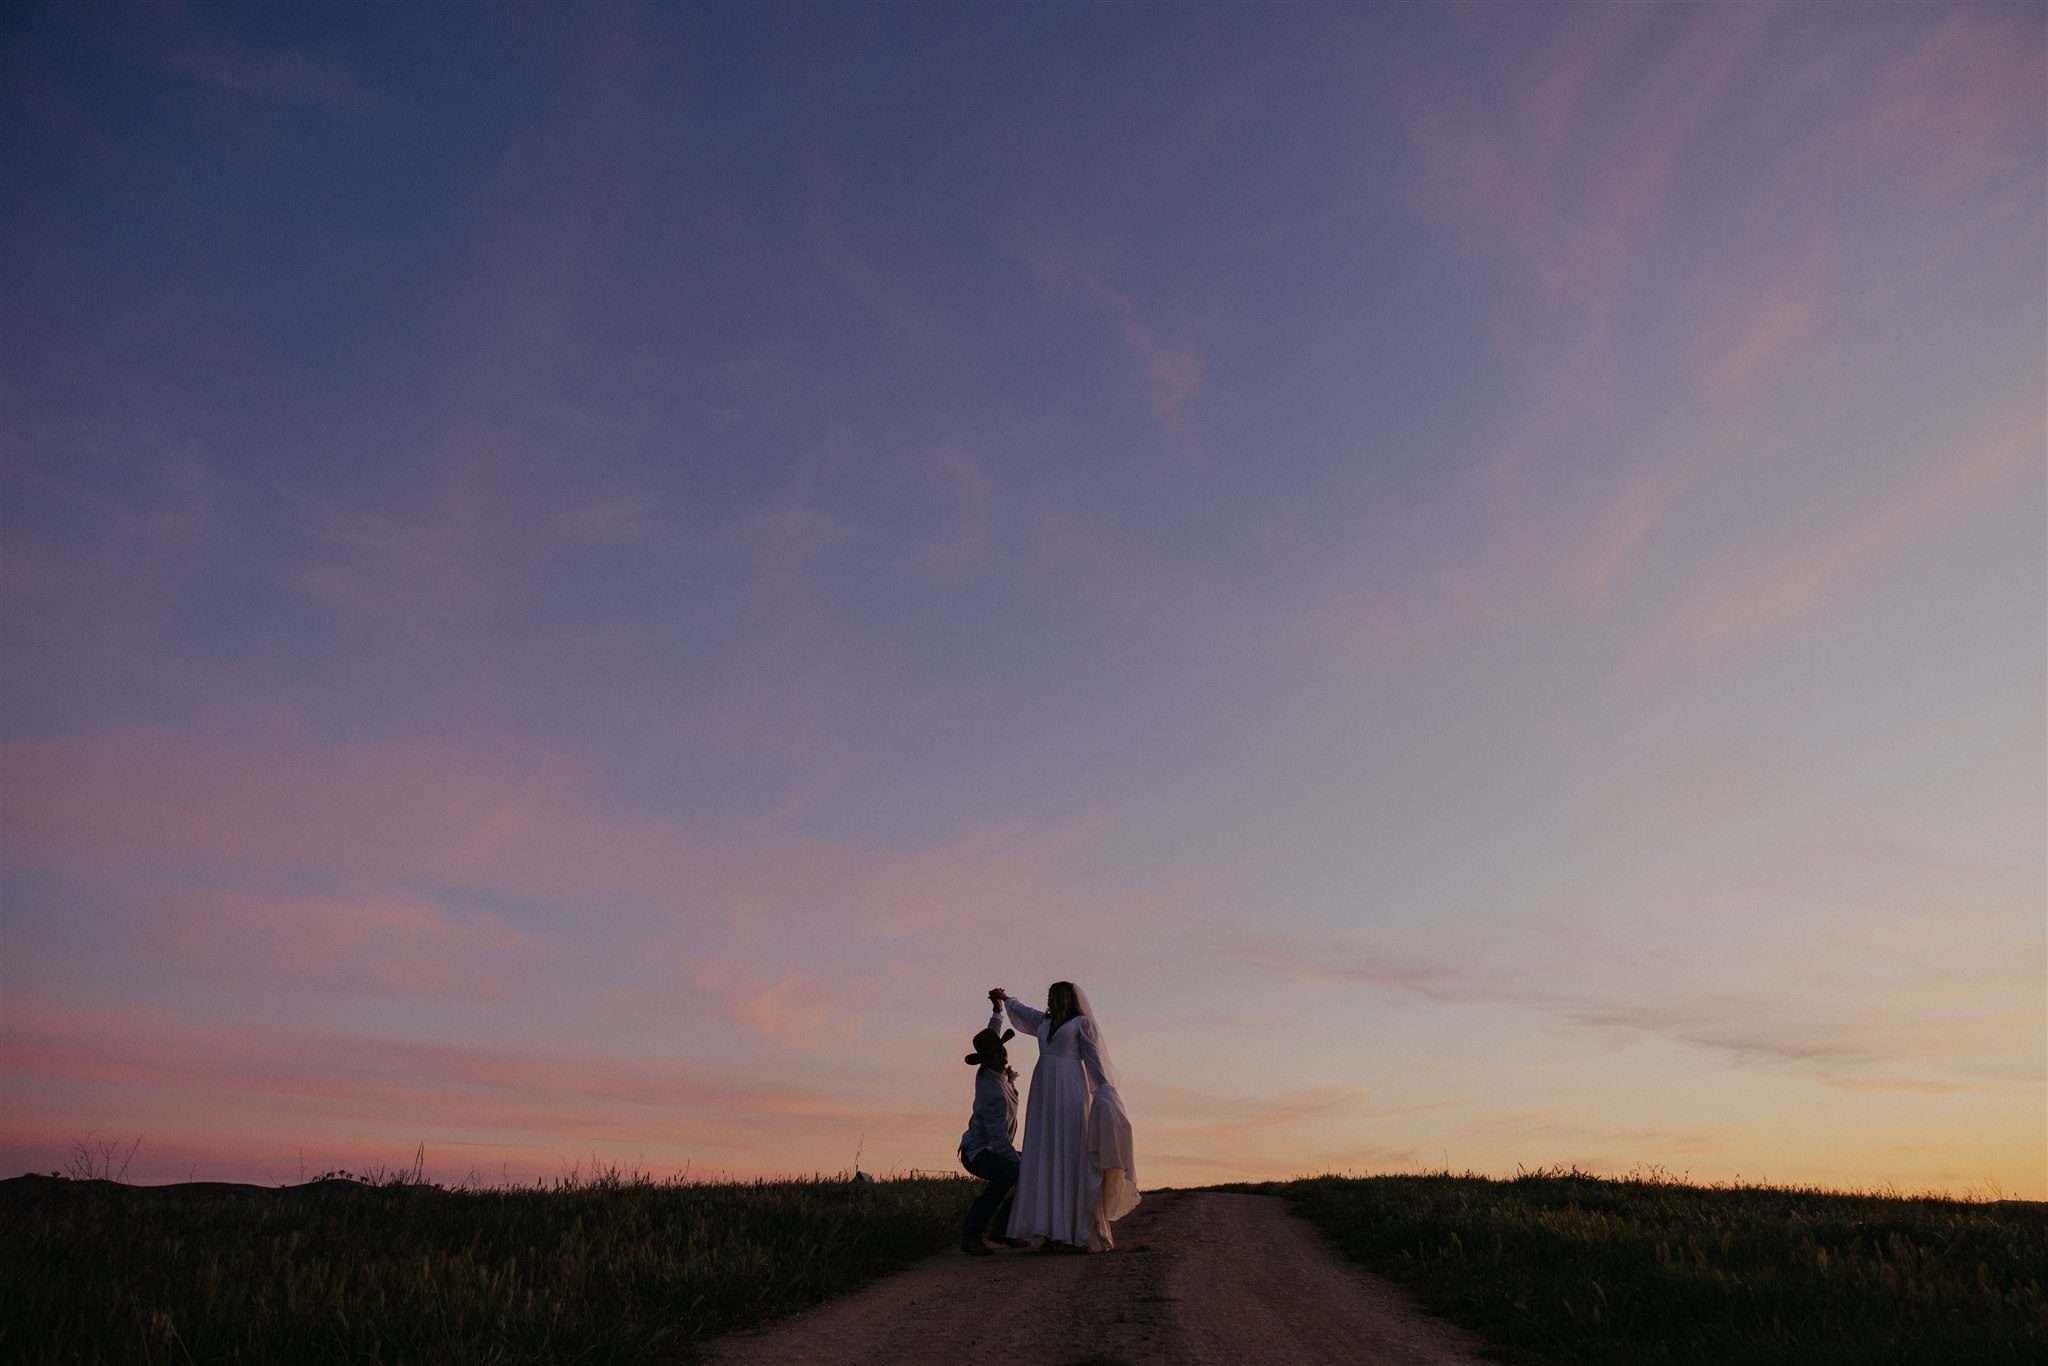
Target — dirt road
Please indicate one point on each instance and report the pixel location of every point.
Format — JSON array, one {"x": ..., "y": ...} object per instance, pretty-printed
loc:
[{"x": 1197, "y": 1276}]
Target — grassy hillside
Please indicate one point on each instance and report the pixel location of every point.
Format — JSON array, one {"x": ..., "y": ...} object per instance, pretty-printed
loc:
[
  {"x": 591, "y": 1272},
  {"x": 1553, "y": 1267},
  {"x": 1569, "y": 1268}
]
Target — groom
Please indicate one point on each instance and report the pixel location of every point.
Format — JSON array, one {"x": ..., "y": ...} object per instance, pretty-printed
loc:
[{"x": 989, "y": 1147}]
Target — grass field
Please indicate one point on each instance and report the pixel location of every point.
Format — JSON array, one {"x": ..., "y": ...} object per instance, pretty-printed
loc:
[
  {"x": 1569, "y": 1268},
  {"x": 1552, "y": 1267},
  {"x": 599, "y": 1271}
]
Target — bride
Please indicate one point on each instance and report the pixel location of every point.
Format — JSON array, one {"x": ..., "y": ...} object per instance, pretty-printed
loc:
[{"x": 1078, "y": 1175}]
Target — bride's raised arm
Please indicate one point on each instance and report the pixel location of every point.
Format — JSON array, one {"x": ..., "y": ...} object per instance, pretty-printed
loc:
[{"x": 1022, "y": 1016}]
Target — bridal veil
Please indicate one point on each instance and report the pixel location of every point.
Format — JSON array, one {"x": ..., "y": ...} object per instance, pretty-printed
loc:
[{"x": 1109, "y": 1137}]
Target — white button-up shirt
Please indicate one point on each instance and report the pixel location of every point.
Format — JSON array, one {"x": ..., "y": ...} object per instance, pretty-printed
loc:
[{"x": 993, "y": 1126}]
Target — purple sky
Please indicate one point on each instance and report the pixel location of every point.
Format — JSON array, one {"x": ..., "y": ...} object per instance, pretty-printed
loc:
[{"x": 581, "y": 580}]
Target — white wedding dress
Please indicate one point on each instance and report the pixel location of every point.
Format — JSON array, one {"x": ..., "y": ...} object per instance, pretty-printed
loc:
[{"x": 1078, "y": 1175}]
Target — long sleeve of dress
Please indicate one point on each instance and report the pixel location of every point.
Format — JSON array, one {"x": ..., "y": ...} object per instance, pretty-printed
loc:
[
  {"x": 1091, "y": 1055},
  {"x": 1024, "y": 1017},
  {"x": 1108, "y": 1141}
]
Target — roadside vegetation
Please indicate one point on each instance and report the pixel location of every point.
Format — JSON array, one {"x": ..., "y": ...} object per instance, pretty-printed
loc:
[
  {"x": 607, "y": 1270},
  {"x": 1565, "y": 1267}
]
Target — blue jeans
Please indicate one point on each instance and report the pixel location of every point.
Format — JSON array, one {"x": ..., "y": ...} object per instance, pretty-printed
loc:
[{"x": 992, "y": 1206}]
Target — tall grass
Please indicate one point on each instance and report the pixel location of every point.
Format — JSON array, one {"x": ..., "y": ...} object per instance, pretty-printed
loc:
[
  {"x": 590, "y": 1271},
  {"x": 1565, "y": 1267}
]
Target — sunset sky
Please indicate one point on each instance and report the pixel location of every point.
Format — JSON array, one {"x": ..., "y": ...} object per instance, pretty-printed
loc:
[{"x": 580, "y": 581}]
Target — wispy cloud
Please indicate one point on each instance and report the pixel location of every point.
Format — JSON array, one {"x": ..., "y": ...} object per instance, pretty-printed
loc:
[
  {"x": 801, "y": 1007},
  {"x": 485, "y": 816},
  {"x": 1205, "y": 1112},
  {"x": 1170, "y": 369},
  {"x": 223, "y": 60},
  {"x": 101, "y": 567},
  {"x": 393, "y": 948},
  {"x": 964, "y": 530},
  {"x": 1860, "y": 1035},
  {"x": 419, "y": 573},
  {"x": 1758, "y": 337},
  {"x": 189, "y": 1071},
  {"x": 161, "y": 1048},
  {"x": 1611, "y": 146},
  {"x": 1561, "y": 174},
  {"x": 1746, "y": 601},
  {"x": 886, "y": 297},
  {"x": 1622, "y": 526}
]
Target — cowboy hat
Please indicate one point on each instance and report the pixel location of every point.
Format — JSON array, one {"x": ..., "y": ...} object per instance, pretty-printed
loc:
[{"x": 985, "y": 1045}]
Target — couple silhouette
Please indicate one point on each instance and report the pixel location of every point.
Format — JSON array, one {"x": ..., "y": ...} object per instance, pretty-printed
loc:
[{"x": 1075, "y": 1175}]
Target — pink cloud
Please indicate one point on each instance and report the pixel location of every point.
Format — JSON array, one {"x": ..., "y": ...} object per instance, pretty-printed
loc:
[
  {"x": 354, "y": 1097},
  {"x": 1221, "y": 1117},
  {"x": 1965, "y": 97},
  {"x": 1168, "y": 593},
  {"x": 193, "y": 1068},
  {"x": 153, "y": 797},
  {"x": 1566, "y": 170},
  {"x": 1618, "y": 144},
  {"x": 1171, "y": 371},
  {"x": 143, "y": 802},
  {"x": 793, "y": 1007},
  {"x": 490, "y": 514},
  {"x": 883, "y": 295},
  {"x": 1622, "y": 527},
  {"x": 420, "y": 568},
  {"x": 382, "y": 948},
  {"x": 1757, "y": 338},
  {"x": 781, "y": 697},
  {"x": 216, "y": 56},
  {"x": 965, "y": 529},
  {"x": 94, "y": 581},
  {"x": 1562, "y": 182},
  {"x": 1746, "y": 601}
]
